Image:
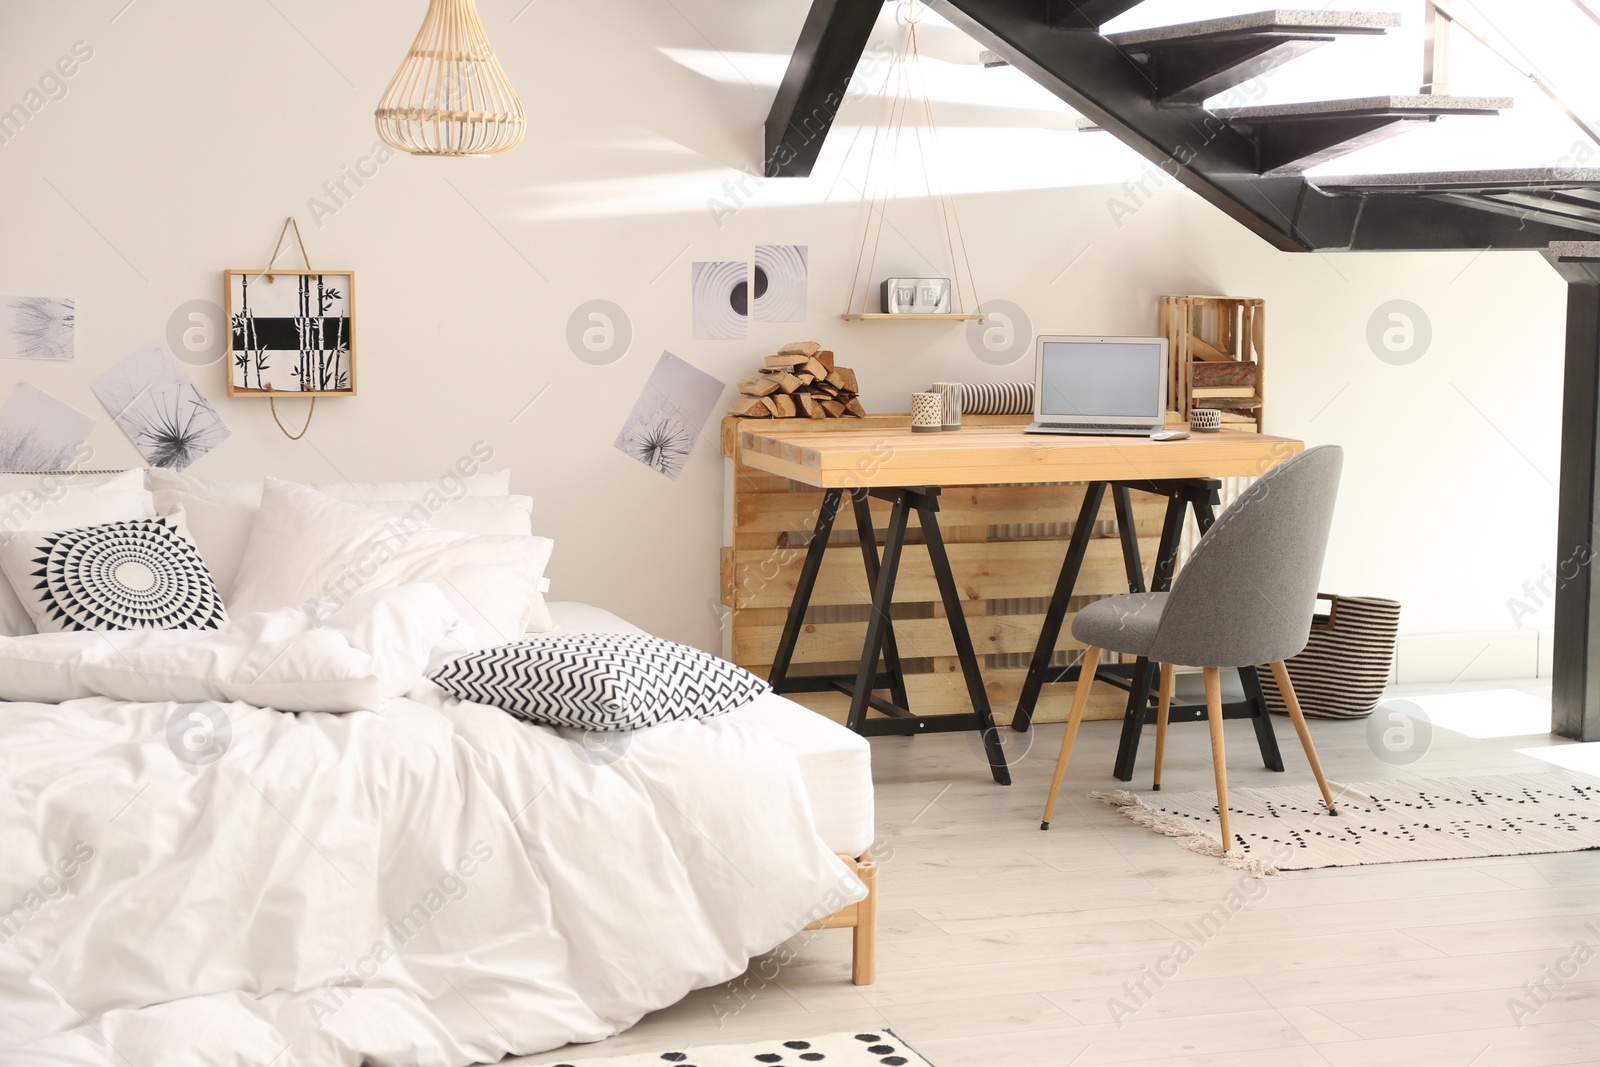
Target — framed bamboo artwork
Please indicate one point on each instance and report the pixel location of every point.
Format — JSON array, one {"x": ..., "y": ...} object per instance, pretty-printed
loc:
[{"x": 291, "y": 333}]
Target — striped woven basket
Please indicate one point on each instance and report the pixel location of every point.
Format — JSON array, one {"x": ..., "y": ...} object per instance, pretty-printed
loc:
[{"x": 1345, "y": 666}]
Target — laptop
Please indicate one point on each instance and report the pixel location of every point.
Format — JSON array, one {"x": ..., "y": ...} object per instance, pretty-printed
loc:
[{"x": 1099, "y": 385}]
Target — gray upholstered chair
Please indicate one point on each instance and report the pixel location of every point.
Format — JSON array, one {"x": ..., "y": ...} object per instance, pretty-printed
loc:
[{"x": 1245, "y": 597}]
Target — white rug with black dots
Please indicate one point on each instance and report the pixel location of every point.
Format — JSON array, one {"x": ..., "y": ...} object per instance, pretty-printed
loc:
[
  {"x": 1288, "y": 829},
  {"x": 878, "y": 1049}
]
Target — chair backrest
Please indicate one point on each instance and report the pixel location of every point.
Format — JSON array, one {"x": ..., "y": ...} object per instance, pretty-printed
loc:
[{"x": 1248, "y": 591}]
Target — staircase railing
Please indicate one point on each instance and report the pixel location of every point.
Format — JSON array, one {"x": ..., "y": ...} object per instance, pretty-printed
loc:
[
  {"x": 1594, "y": 16},
  {"x": 1440, "y": 16},
  {"x": 1435, "y": 51}
]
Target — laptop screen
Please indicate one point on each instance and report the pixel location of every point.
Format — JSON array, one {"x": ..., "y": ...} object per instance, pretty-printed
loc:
[{"x": 1101, "y": 379}]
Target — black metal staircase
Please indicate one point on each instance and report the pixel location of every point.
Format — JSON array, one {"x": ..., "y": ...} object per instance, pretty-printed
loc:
[{"x": 1148, "y": 88}]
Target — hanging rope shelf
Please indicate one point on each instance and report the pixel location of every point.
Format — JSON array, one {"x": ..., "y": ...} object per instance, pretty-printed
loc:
[
  {"x": 910, "y": 316},
  {"x": 911, "y": 96}
]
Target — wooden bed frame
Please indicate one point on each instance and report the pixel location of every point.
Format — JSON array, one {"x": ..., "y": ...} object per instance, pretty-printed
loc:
[{"x": 862, "y": 917}]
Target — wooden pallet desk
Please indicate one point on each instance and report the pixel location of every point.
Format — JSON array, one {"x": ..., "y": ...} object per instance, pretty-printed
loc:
[{"x": 880, "y": 460}]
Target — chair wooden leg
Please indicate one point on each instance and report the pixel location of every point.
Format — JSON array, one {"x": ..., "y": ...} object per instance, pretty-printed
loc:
[
  {"x": 1219, "y": 753},
  {"x": 1163, "y": 710},
  {"x": 1292, "y": 702},
  {"x": 864, "y": 949},
  {"x": 1080, "y": 700}
]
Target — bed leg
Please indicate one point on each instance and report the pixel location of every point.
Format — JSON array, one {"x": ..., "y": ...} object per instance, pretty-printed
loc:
[{"x": 864, "y": 961}]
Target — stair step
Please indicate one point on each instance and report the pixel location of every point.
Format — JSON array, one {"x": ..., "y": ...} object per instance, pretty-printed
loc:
[
  {"x": 1521, "y": 179},
  {"x": 1188, "y": 63},
  {"x": 1292, "y": 137},
  {"x": 1559, "y": 196},
  {"x": 1421, "y": 106},
  {"x": 1573, "y": 250},
  {"x": 1320, "y": 22}
]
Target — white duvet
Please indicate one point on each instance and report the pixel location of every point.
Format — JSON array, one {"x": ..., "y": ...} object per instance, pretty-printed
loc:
[{"x": 425, "y": 883}]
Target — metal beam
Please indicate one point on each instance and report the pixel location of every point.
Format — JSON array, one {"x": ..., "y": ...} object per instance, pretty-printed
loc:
[
  {"x": 1405, "y": 222},
  {"x": 1575, "y": 672},
  {"x": 824, "y": 60}
]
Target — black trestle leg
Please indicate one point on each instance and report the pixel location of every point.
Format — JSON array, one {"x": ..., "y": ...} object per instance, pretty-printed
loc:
[
  {"x": 1167, "y": 548},
  {"x": 1056, "y": 614},
  {"x": 869, "y": 557},
  {"x": 939, "y": 560},
  {"x": 1139, "y": 691},
  {"x": 1128, "y": 532},
  {"x": 1133, "y": 719},
  {"x": 1261, "y": 719},
  {"x": 783, "y": 655},
  {"x": 878, "y": 621}
]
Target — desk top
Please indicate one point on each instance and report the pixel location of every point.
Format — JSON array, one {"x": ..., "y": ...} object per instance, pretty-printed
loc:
[{"x": 883, "y": 456}]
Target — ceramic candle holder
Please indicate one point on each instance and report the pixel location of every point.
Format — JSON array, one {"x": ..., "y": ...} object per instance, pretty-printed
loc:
[
  {"x": 952, "y": 403},
  {"x": 927, "y": 412},
  {"x": 1205, "y": 420}
]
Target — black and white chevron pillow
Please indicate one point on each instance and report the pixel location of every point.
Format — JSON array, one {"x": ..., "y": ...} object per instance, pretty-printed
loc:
[{"x": 600, "y": 681}]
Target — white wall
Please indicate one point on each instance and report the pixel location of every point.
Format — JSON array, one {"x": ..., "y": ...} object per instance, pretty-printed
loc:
[{"x": 197, "y": 127}]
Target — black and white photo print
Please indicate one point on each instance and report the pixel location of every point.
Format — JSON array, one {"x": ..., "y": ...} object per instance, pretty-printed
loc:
[
  {"x": 667, "y": 419},
  {"x": 151, "y": 397},
  {"x": 39, "y": 432},
  {"x": 37, "y": 327},
  {"x": 780, "y": 282},
  {"x": 290, "y": 332},
  {"x": 721, "y": 298}
]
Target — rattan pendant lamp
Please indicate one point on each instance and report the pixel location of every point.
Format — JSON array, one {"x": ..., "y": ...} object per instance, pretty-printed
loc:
[{"x": 450, "y": 97}]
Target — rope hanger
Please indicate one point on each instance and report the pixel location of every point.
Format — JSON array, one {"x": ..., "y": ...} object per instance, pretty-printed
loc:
[
  {"x": 908, "y": 62},
  {"x": 278, "y": 250}
]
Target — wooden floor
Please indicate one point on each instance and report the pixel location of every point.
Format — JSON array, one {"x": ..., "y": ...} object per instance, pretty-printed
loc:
[{"x": 1002, "y": 944}]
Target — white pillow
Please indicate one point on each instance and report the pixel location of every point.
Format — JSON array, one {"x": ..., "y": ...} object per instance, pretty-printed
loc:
[
  {"x": 483, "y": 515},
  {"x": 54, "y": 506},
  {"x": 24, "y": 497},
  {"x": 222, "y": 510},
  {"x": 248, "y": 490},
  {"x": 220, "y": 523},
  {"x": 305, "y": 546},
  {"x": 50, "y": 482}
]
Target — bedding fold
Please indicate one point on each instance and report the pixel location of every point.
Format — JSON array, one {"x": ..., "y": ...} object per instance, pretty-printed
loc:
[{"x": 316, "y": 657}]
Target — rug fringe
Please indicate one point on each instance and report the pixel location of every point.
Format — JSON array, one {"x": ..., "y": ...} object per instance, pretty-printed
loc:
[{"x": 1136, "y": 810}]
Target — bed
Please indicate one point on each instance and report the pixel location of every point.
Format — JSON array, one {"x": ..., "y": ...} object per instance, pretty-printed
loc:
[{"x": 428, "y": 881}]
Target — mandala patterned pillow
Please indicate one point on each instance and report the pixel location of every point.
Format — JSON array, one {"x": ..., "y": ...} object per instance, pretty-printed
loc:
[
  {"x": 600, "y": 681},
  {"x": 142, "y": 574}
]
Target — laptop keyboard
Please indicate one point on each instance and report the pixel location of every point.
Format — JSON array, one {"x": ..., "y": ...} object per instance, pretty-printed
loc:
[{"x": 1092, "y": 427}]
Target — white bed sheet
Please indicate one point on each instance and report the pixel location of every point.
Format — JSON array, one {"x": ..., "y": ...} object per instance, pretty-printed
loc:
[
  {"x": 835, "y": 763},
  {"x": 427, "y": 884}
]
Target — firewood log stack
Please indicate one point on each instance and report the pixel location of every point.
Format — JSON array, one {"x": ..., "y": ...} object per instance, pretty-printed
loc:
[{"x": 800, "y": 382}]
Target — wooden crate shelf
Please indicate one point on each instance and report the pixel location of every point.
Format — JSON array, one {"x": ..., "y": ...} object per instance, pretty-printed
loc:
[
  {"x": 1006, "y": 544},
  {"x": 1218, "y": 355}
]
